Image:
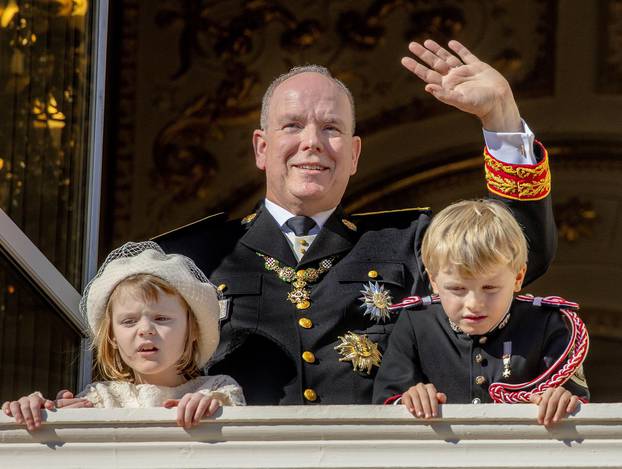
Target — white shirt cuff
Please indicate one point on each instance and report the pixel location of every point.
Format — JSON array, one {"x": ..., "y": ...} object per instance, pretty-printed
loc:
[{"x": 512, "y": 147}]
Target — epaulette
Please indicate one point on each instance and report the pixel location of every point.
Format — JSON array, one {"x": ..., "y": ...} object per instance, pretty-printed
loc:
[
  {"x": 552, "y": 301},
  {"x": 210, "y": 220},
  {"x": 389, "y": 218},
  {"x": 412, "y": 302}
]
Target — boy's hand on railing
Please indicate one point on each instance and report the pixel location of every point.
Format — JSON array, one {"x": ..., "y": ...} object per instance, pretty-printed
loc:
[
  {"x": 192, "y": 407},
  {"x": 27, "y": 409},
  {"x": 554, "y": 404},
  {"x": 422, "y": 400}
]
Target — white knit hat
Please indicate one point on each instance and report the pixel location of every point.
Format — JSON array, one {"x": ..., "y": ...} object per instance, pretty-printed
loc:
[{"x": 177, "y": 270}]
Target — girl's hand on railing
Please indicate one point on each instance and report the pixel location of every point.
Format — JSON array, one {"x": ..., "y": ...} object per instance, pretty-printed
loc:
[
  {"x": 27, "y": 409},
  {"x": 192, "y": 407}
]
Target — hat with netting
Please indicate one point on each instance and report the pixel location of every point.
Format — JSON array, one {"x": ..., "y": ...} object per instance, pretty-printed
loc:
[{"x": 179, "y": 271}]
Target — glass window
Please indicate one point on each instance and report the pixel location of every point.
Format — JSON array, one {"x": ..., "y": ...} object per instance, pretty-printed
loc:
[
  {"x": 44, "y": 96},
  {"x": 39, "y": 350}
]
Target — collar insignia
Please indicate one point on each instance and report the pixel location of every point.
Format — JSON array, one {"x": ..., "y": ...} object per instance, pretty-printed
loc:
[
  {"x": 248, "y": 218},
  {"x": 351, "y": 226}
]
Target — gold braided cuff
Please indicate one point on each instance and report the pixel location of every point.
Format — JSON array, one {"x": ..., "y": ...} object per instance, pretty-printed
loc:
[{"x": 518, "y": 182}]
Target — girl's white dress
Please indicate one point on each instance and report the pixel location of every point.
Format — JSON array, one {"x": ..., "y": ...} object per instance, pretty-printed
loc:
[{"x": 125, "y": 394}]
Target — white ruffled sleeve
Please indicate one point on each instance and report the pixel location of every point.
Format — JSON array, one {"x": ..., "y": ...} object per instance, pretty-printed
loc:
[
  {"x": 91, "y": 393},
  {"x": 224, "y": 388}
]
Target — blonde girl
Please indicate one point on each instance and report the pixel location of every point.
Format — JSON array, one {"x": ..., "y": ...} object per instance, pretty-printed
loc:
[{"x": 154, "y": 322}]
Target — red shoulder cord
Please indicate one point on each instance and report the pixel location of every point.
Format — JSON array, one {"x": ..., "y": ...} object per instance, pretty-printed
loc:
[{"x": 563, "y": 368}]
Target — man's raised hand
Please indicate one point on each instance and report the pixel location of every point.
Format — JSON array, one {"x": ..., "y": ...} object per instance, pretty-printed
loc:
[{"x": 465, "y": 82}]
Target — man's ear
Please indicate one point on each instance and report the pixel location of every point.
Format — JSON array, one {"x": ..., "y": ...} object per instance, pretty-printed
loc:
[
  {"x": 520, "y": 278},
  {"x": 356, "y": 153},
  {"x": 260, "y": 146}
]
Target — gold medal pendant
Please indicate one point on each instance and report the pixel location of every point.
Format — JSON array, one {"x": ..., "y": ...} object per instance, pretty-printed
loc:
[
  {"x": 358, "y": 349},
  {"x": 300, "y": 294}
]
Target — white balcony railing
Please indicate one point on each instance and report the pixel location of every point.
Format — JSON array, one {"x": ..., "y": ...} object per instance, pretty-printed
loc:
[{"x": 317, "y": 436}]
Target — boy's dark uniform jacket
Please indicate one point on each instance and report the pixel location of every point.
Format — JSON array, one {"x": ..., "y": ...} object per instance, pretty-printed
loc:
[
  {"x": 262, "y": 338},
  {"x": 424, "y": 349}
]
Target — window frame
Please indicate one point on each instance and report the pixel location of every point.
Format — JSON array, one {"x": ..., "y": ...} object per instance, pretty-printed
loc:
[{"x": 26, "y": 255}]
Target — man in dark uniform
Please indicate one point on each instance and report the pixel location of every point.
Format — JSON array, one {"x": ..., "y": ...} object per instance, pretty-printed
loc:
[{"x": 306, "y": 287}]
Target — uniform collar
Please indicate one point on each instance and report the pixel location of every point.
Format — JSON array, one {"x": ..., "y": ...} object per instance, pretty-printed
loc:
[
  {"x": 281, "y": 215},
  {"x": 491, "y": 333},
  {"x": 264, "y": 236}
]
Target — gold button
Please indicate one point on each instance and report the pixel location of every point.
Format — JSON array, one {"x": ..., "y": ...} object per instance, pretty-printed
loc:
[
  {"x": 308, "y": 357},
  {"x": 304, "y": 242},
  {"x": 222, "y": 287},
  {"x": 305, "y": 322},
  {"x": 302, "y": 251},
  {"x": 310, "y": 395},
  {"x": 480, "y": 380},
  {"x": 372, "y": 274},
  {"x": 483, "y": 340},
  {"x": 479, "y": 358},
  {"x": 304, "y": 304},
  {"x": 300, "y": 273}
]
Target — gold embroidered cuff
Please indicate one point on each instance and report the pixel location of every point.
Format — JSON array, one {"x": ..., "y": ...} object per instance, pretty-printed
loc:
[{"x": 518, "y": 182}]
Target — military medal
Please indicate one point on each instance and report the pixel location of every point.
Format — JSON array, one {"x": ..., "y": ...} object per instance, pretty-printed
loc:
[
  {"x": 299, "y": 279},
  {"x": 507, "y": 355},
  {"x": 358, "y": 349},
  {"x": 376, "y": 301}
]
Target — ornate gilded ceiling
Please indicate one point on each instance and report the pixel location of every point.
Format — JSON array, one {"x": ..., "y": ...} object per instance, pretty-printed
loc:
[{"x": 192, "y": 75}]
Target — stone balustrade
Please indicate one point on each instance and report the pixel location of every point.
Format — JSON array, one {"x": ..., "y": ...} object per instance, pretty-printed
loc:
[{"x": 317, "y": 436}]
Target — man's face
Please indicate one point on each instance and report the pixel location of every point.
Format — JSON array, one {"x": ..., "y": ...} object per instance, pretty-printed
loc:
[
  {"x": 307, "y": 151},
  {"x": 477, "y": 304}
]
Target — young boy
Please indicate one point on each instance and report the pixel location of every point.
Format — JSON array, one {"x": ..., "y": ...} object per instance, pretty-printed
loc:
[{"x": 475, "y": 254}]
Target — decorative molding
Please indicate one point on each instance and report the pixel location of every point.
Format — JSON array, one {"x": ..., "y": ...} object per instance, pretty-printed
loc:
[
  {"x": 493, "y": 435},
  {"x": 575, "y": 219}
]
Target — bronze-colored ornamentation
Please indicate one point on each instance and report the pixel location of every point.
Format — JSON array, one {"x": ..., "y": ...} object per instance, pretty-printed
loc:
[
  {"x": 358, "y": 349},
  {"x": 575, "y": 219}
]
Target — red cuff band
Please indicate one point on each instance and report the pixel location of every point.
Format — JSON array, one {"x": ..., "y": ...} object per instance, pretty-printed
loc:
[{"x": 518, "y": 181}]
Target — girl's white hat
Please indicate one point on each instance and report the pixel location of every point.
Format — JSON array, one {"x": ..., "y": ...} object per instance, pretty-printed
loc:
[{"x": 179, "y": 271}]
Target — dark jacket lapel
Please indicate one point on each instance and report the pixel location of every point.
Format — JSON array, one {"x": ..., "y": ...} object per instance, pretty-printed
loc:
[
  {"x": 334, "y": 238},
  {"x": 265, "y": 236}
]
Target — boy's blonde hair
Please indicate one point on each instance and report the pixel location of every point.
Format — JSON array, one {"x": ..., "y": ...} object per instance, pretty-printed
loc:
[
  {"x": 148, "y": 288},
  {"x": 472, "y": 236}
]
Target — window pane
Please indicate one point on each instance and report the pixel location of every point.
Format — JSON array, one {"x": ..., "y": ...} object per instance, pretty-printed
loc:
[
  {"x": 39, "y": 350},
  {"x": 44, "y": 92}
]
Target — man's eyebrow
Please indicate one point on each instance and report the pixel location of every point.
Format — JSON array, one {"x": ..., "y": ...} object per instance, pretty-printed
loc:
[
  {"x": 289, "y": 117},
  {"x": 334, "y": 120}
]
